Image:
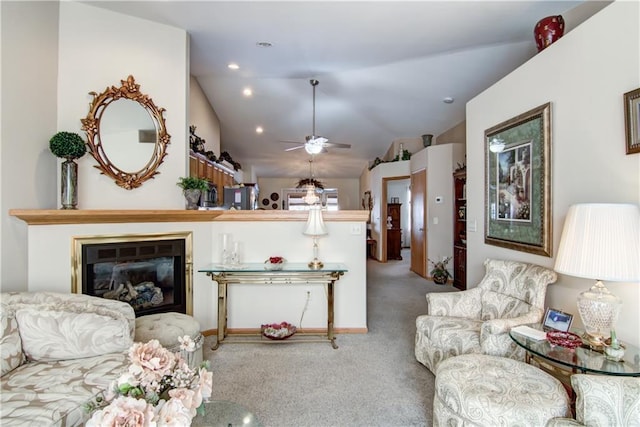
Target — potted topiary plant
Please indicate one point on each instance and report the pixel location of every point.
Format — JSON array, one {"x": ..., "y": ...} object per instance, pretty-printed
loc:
[
  {"x": 192, "y": 189},
  {"x": 68, "y": 146},
  {"x": 439, "y": 272}
]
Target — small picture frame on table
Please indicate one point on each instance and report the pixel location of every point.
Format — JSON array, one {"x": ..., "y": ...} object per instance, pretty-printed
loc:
[{"x": 556, "y": 320}]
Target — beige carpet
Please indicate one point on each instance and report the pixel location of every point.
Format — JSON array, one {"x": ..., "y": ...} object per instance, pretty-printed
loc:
[{"x": 373, "y": 379}]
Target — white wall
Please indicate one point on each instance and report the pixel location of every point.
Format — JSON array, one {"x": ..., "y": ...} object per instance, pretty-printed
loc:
[
  {"x": 584, "y": 75},
  {"x": 94, "y": 55},
  {"x": 28, "y": 117},
  {"x": 202, "y": 115},
  {"x": 383, "y": 170},
  {"x": 249, "y": 305},
  {"x": 440, "y": 161}
]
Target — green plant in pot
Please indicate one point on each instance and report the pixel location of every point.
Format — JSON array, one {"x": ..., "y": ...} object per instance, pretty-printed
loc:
[
  {"x": 439, "y": 272},
  {"x": 68, "y": 146},
  {"x": 192, "y": 189}
]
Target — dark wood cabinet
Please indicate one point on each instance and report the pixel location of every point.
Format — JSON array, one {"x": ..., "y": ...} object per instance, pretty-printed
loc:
[
  {"x": 460, "y": 230},
  {"x": 394, "y": 231},
  {"x": 201, "y": 167}
]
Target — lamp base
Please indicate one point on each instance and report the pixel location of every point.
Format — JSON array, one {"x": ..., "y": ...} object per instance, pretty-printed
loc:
[
  {"x": 594, "y": 341},
  {"x": 315, "y": 264}
]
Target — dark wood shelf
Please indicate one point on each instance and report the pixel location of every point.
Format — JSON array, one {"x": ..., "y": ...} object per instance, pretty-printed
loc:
[{"x": 459, "y": 230}]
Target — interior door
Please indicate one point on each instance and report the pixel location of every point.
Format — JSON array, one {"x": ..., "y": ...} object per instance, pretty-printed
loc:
[{"x": 418, "y": 230}]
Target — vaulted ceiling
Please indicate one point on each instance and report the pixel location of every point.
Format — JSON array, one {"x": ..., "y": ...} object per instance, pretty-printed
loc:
[{"x": 384, "y": 69}]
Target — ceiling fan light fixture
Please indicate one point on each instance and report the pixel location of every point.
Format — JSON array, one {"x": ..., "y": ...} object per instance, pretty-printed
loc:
[{"x": 313, "y": 147}]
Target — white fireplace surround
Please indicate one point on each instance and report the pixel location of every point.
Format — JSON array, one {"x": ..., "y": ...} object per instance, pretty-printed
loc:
[{"x": 276, "y": 234}]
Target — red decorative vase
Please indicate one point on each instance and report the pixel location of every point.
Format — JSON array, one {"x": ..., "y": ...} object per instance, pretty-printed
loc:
[{"x": 548, "y": 30}]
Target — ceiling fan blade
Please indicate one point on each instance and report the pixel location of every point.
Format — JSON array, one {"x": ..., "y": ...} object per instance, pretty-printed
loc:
[
  {"x": 294, "y": 148},
  {"x": 291, "y": 142},
  {"x": 337, "y": 145}
]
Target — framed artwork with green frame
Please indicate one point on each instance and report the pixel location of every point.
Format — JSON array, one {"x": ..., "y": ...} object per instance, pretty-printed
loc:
[{"x": 518, "y": 183}]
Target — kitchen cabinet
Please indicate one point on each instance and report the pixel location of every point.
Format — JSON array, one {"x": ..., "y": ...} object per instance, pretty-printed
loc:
[{"x": 215, "y": 173}]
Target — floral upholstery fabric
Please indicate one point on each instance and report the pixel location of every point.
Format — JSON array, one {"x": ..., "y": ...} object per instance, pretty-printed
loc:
[
  {"x": 59, "y": 332},
  {"x": 52, "y": 394},
  {"x": 10, "y": 343},
  {"x": 68, "y": 331},
  {"x": 14, "y": 298},
  {"x": 482, "y": 390},
  {"x": 478, "y": 320},
  {"x": 455, "y": 334},
  {"x": 603, "y": 401}
]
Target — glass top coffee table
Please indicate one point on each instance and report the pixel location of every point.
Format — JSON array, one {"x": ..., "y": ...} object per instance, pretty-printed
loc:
[
  {"x": 220, "y": 413},
  {"x": 581, "y": 359}
]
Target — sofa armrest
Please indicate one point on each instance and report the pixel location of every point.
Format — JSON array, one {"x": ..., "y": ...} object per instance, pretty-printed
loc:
[
  {"x": 69, "y": 326},
  {"x": 606, "y": 399},
  {"x": 456, "y": 304},
  {"x": 13, "y": 298}
]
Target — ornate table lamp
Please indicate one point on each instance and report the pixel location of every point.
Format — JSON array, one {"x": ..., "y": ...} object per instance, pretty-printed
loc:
[
  {"x": 600, "y": 242},
  {"x": 315, "y": 228}
]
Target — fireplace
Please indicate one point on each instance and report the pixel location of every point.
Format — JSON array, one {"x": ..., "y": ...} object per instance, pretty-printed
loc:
[{"x": 151, "y": 272}]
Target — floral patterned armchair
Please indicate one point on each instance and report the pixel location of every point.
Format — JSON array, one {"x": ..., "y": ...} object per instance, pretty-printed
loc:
[
  {"x": 478, "y": 320},
  {"x": 603, "y": 401}
]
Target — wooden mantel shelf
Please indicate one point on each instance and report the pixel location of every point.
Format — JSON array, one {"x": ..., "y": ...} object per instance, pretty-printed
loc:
[{"x": 104, "y": 216}]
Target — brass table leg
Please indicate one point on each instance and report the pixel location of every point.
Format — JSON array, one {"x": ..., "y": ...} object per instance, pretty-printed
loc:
[
  {"x": 222, "y": 313},
  {"x": 330, "y": 335}
]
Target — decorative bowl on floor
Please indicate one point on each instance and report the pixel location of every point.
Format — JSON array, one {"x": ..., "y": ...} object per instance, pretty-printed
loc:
[{"x": 278, "y": 331}]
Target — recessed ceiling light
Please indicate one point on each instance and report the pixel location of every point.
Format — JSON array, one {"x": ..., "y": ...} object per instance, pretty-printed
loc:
[
  {"x": 448, "y": 100},
  {"x": 264, "y": 44},
  {"x": 247, "y": 91},
  {"x": 233, "y": 66},
  {"x": 259, "y": 129}
]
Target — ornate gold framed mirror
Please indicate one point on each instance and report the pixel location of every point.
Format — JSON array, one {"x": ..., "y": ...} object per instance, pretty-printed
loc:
[{"x": 128, "y": 139}]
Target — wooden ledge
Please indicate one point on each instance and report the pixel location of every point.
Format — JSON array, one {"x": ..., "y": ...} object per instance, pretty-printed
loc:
[{"x": 103, "y": 216}]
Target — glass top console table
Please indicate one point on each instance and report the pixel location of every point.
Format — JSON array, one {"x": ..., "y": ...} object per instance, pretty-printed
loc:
[
  {"x": 259, "y": 273},
  {"x": 581, "y": 359}
]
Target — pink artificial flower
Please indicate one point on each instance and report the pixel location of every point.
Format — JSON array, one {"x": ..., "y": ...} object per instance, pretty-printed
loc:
[
  {"x": 205, "y": 383},
  {"x": 124, "y": 411},
  {"x": 187, "y": 343},
  {"x": 186, "y": 396},
  {"x": 173, "y": 413},
  {"x": 150, "y": 361}
]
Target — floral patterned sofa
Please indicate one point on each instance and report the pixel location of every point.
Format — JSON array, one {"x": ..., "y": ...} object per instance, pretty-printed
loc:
[
  {"x": 478, "y": 320},
  {"x": 58, "y": 352}
]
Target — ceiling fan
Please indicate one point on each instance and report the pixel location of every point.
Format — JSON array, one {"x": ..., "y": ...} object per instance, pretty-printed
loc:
[{"x": 315, "y": 144}]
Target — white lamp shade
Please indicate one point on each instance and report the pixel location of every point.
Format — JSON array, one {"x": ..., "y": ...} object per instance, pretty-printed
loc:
[
  {"x": 601, "y": 241},
  {"x": 315, "y": 224}
]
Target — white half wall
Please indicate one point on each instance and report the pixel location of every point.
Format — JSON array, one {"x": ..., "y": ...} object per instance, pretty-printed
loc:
[
  {"x": 249, "y": 306},
  {"x": 584, "y": 75}
]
